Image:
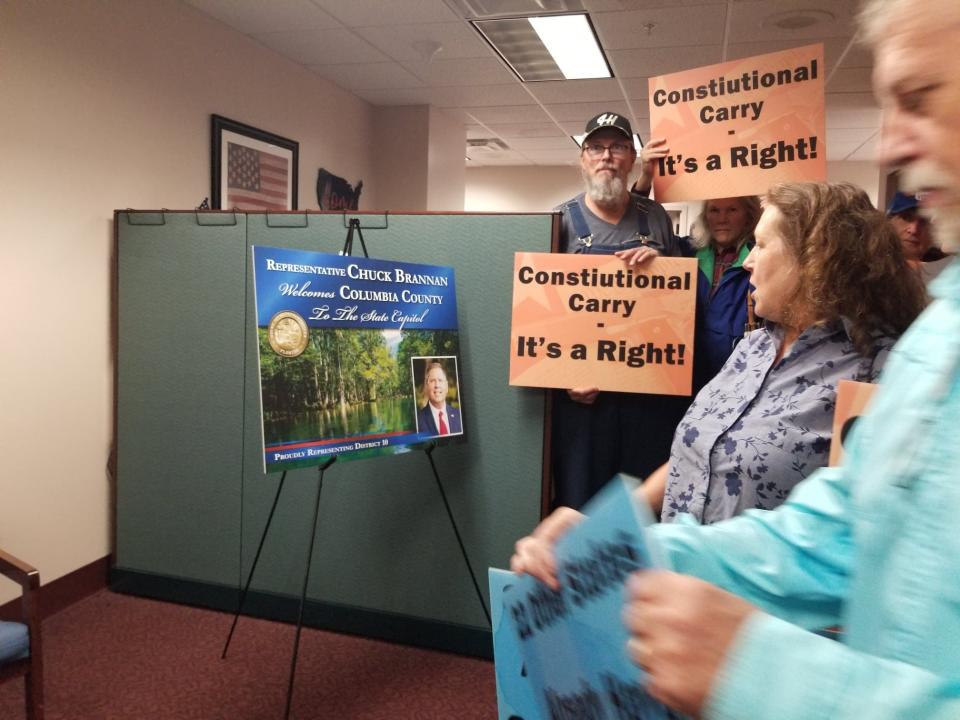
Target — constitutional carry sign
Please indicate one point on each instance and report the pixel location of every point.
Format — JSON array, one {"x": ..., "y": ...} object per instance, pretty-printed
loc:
[
  {"x": 358, "y": 357},
  {"x": 592, "y": 321},
  {"x": 738, "y": 127}
]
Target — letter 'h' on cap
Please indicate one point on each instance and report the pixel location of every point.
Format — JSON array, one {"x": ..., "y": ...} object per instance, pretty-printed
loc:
[{"x": 610, "y": 120}]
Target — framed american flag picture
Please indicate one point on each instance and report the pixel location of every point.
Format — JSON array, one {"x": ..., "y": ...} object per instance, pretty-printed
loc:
[{"x": 252, "y": 169}]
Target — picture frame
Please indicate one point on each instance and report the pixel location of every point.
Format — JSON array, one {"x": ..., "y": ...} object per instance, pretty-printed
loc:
[{"x": 252, "y": 169}]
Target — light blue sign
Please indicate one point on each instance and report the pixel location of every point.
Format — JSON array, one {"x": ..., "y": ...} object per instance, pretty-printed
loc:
[{"x": 572, "y": 642}]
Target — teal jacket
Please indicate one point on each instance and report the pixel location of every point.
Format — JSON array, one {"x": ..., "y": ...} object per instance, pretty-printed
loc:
[{"x": 872, "y": 545}]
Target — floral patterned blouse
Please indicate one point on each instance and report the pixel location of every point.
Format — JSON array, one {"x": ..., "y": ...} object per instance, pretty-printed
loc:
[{"x": 759, "y": 428}]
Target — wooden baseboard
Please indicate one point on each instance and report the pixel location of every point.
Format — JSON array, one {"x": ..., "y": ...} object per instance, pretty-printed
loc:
[{"x": 64, "y": 591}]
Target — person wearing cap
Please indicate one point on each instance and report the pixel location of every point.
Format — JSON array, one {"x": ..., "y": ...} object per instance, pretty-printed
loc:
[
  {"x": 915, "y": 237},
  {"x": 597, "y": 434},
  {"x": 912, "y": 228}
]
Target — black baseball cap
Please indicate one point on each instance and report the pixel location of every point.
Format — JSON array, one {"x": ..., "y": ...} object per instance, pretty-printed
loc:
[{"x": 611, "y": 121}]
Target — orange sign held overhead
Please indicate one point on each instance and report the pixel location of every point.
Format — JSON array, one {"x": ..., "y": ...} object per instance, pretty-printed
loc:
[
  {"x": 591, "y": 321},
  {"x": 738, "y": 127}
]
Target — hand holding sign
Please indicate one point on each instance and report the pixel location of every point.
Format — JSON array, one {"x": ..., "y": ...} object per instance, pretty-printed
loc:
[{"x": 681, "y": 629}]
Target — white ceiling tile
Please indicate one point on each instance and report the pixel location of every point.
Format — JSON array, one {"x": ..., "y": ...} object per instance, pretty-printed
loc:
[
  {"x": 858, "y": 101},
  {"x": 256, "y": 16},
  {"x": 840, "y": 151},
  {"x": 411, "y": 42},
  {"x": 558, "y": 143},
  {"x": 866, "y": 152},
  {"x": 505, "y": 157},
  {"x": 399, "y": 96},
  {"x": 576, "y": 91},
  {"x": 526, "y": 130},
  {"x": 852, "y": 117},
  {"x": 844, "y": 136},
  {"x": 833, "y": 49},
  {"x": 360, "y": 13},
  {"x": 510, "y": 114},
  {"x": 476, "y": 132},
  {"x": 581, "y": 112},
  {"x": 461, "y": 71},
  {"x": 850, "y": 80},
  {"x": 322, "y": 47},
  {"x": 600, "y": 6},
  {"x": 671, "y": 27},
  {"x": 752, "y": 19},
  {"x": 554, "y": 157},
  {"x": 636, "y": 88},
  {"x": 646, "y": 62},
  {"x": 367, "y": 76},
  {"x": 481, "y": 96}
]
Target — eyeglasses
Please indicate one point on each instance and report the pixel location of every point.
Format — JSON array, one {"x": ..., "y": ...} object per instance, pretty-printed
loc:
[{"x": 596, "y": 150}]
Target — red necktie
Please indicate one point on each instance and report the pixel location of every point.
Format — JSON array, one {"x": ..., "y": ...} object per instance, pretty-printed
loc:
[{"x": 443, "y": 425}]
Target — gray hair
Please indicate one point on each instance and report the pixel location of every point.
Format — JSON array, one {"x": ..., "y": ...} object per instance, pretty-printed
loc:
[{"x": 751, "y": 208}]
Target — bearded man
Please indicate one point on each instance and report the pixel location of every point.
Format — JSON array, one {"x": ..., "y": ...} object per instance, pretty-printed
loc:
[{"x": 596, "y": 435}]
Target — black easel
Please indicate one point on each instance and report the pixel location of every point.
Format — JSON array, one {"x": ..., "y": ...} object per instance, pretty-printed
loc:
[
  {"x": 306, "y": 576},
  {"x": 463, "y": 550}
]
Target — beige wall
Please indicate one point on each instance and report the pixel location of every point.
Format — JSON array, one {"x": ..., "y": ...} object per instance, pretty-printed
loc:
[
  {"x": 420, "y": 158},
  {"x": 535, "y": 189},
  {"x": 446, "y": 167},
  {"x": 402, "y": 139},
  {"x": 104, "y": 106}
]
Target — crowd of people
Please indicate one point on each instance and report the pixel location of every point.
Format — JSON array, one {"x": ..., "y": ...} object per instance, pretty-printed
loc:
[{"x": 762, "y": 544}]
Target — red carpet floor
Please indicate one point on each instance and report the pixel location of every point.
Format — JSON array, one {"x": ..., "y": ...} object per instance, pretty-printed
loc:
[{"x": 116, "y": 657}]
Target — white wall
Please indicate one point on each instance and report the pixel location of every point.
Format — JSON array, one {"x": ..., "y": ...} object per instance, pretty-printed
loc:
[
  {"x": 104, "y": 106},
  {"x": 536, "y": 189}
]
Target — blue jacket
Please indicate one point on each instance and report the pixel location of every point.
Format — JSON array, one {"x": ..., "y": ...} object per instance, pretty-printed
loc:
[{"x": 720, "y": 319}]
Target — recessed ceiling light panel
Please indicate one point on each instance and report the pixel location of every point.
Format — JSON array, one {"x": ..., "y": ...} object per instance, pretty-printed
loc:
[{"x": 547, "y": 47}]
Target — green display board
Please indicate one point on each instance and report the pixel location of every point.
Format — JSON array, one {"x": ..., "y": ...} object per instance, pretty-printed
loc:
[{"x": 192, "y": 499}]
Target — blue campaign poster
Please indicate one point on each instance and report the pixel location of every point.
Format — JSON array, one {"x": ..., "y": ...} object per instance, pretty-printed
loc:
[
  {"x": 358, "y": 357},
  {"x": 571, "y": 645}
]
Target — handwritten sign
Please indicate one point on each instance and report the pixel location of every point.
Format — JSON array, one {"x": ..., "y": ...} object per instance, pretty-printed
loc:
[
  {"x": 590, "y": 321},
  {"x": 738, "y": 127},
  {"x": 852, "y": 400},
  {"x": 568, "y": 648}
]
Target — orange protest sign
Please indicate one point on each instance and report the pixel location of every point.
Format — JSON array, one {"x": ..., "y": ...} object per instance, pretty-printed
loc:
[
  {"x": 852, "y": 400},
  {"x": 738, "y": 127},
  {"x": 590, "y": 321}
]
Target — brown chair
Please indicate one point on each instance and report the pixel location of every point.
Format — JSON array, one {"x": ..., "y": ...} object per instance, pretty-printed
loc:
[{"x": 20, "y": 652}]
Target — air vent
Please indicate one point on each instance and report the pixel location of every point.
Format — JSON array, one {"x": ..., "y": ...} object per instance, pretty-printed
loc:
[{"x": 487, "y": 145}]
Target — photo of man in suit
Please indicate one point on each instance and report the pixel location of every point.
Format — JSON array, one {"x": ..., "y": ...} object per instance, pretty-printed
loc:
[{"x": 437, "y": 416}]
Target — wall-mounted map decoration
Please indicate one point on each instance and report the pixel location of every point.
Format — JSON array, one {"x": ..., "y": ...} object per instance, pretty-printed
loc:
[{"x": 335, "y": 193}]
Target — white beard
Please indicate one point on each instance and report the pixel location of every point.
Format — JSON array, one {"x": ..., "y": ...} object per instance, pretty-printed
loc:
[
  {"x": 605, "y": 191},
  {"x": 944, "y": 221}
]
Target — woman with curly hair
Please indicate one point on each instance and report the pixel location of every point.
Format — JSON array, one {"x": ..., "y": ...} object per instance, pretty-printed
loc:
[{"x": 835, "y": 292}]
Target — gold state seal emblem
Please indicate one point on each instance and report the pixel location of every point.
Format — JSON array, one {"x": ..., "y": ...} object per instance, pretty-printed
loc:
[{"x": 288, "y": 334}]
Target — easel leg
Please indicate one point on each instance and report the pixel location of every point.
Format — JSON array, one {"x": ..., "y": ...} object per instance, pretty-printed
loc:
[
  {"x": 303, "y": 592},
  {"x": 256, "y": 558},
  {"x": 436, "y": 475}
]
